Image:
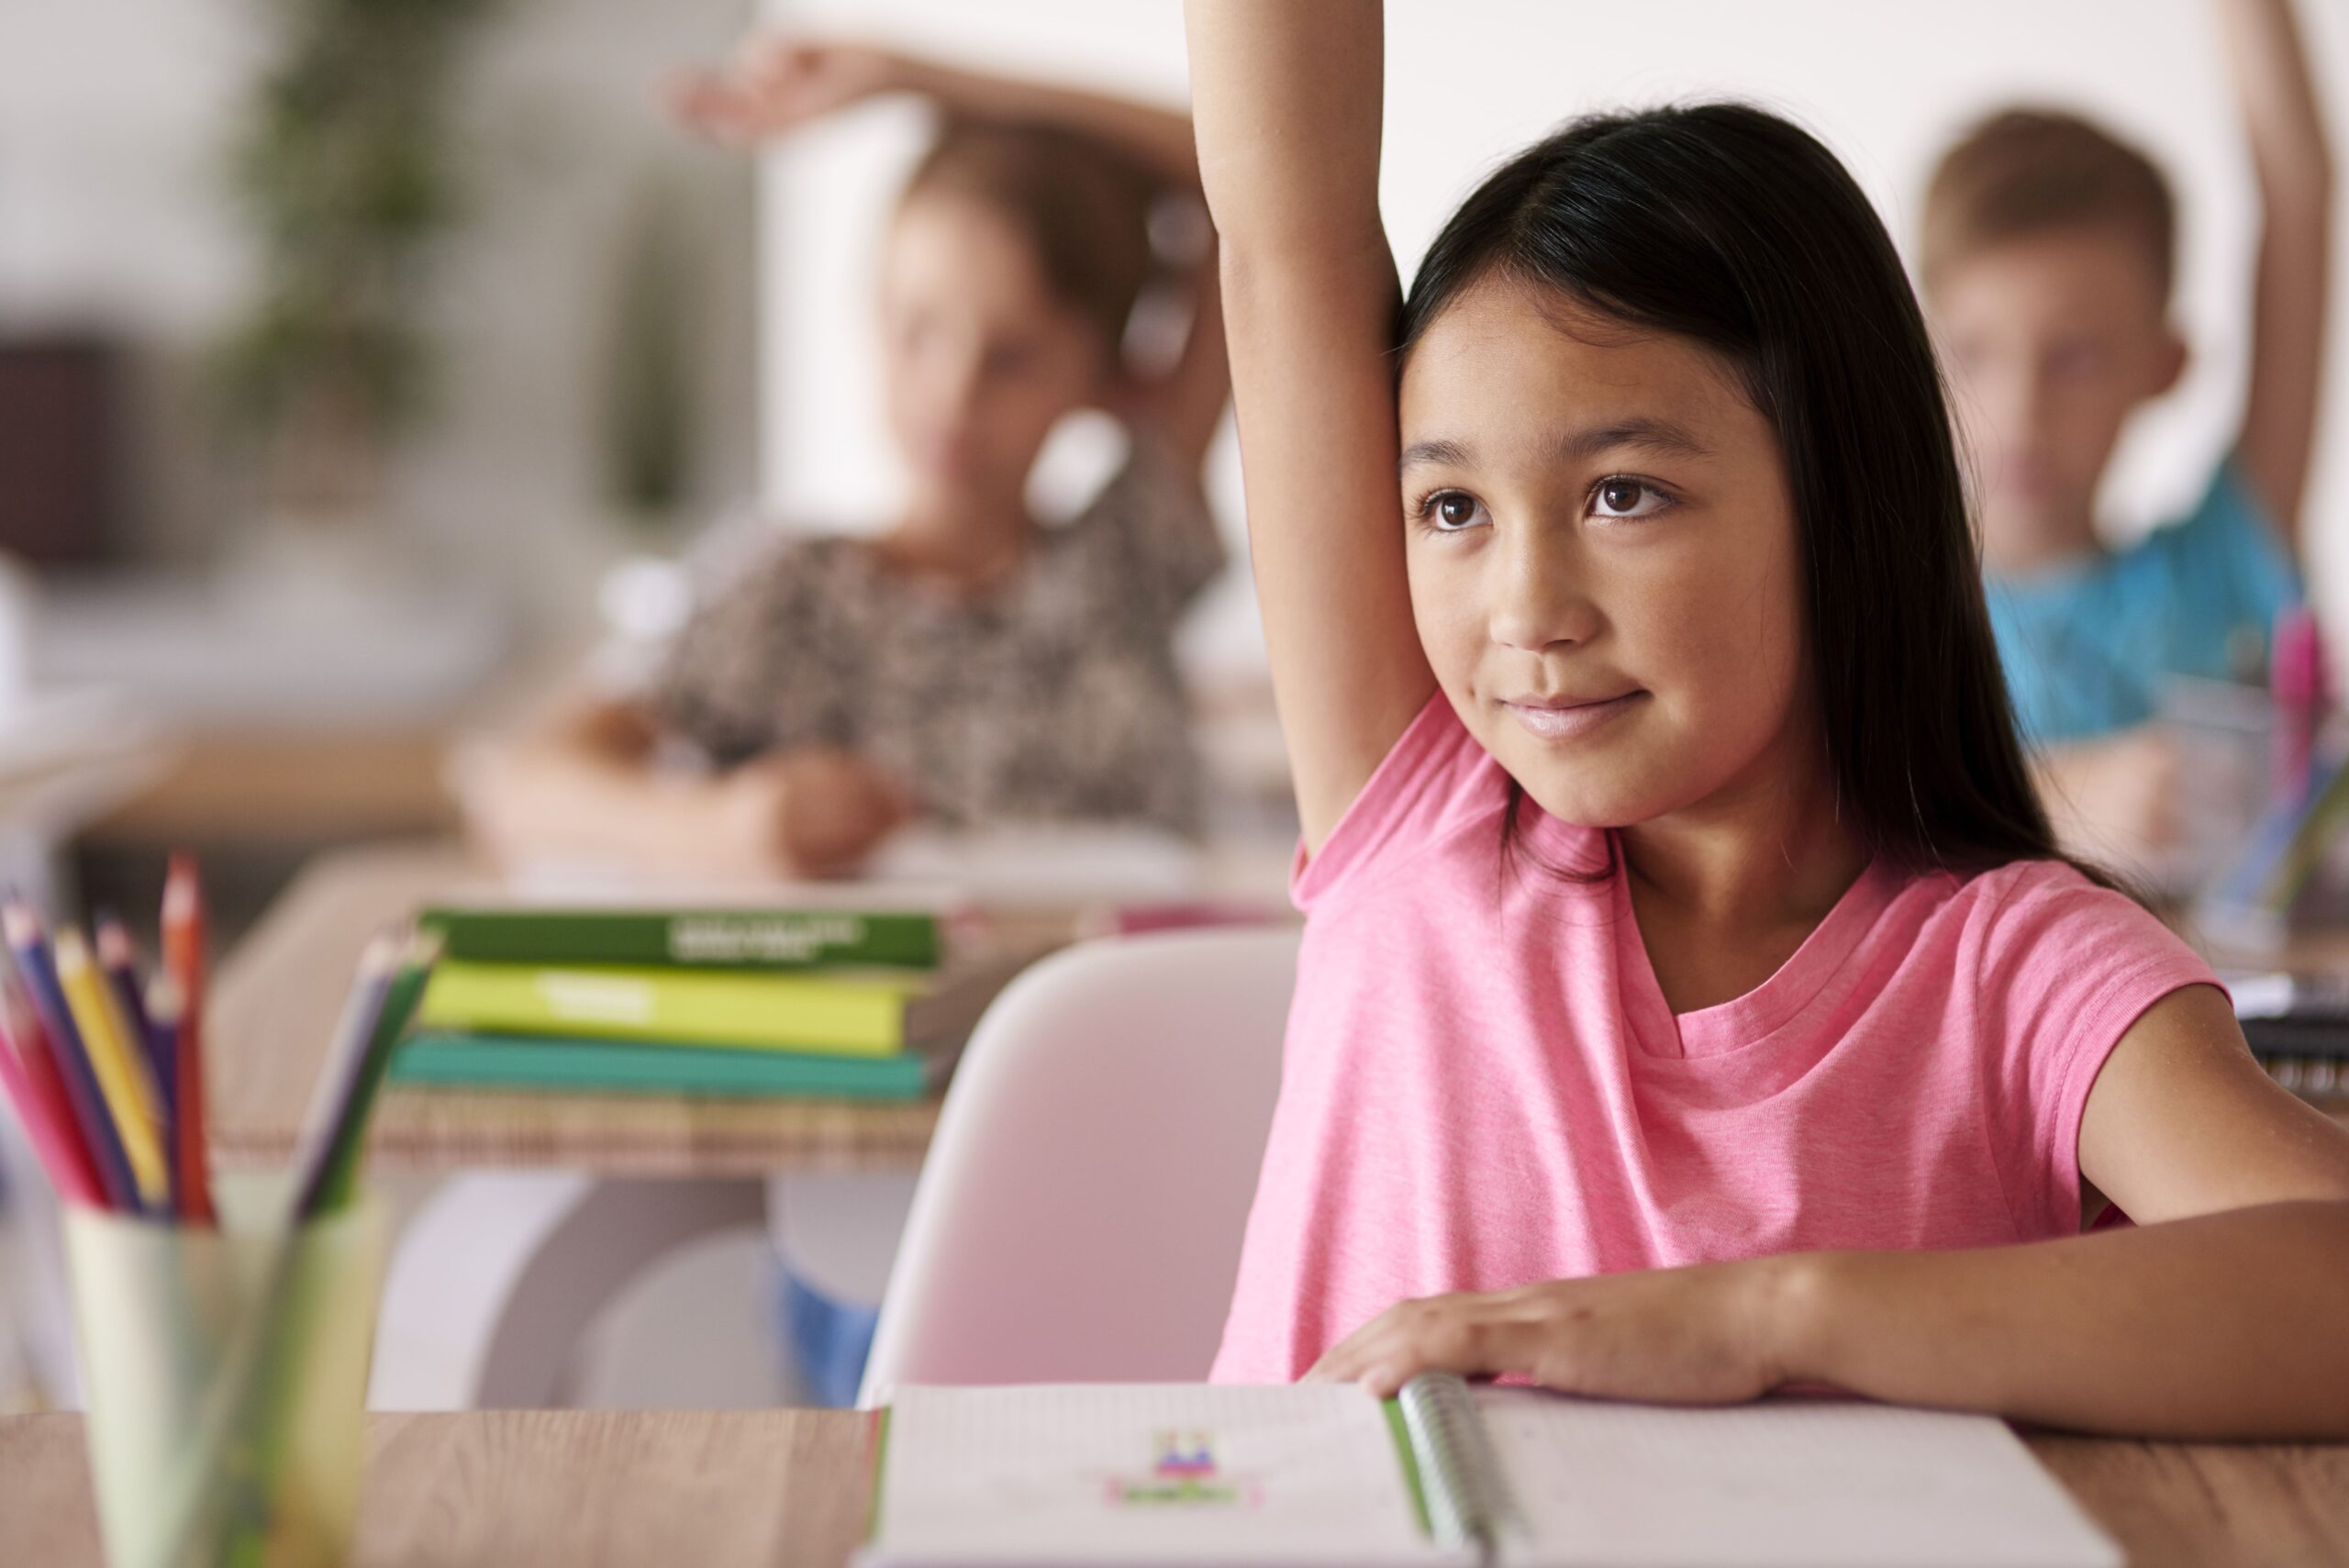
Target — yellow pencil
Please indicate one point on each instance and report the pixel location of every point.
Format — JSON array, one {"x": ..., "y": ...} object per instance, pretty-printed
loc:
[{"x": 121, "y": 1071}]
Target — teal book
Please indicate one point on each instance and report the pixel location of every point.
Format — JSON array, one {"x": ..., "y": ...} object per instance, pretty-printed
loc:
[
  {"x": 435, "y": 1059},
  {"x": 686, "y": 938}
]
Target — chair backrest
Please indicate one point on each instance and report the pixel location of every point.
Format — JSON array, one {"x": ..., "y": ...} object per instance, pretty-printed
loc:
[{"x": 1079, "y": 1217}]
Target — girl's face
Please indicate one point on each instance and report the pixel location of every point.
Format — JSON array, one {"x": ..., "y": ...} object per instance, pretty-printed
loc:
[
  {"x": 981, "y": 361},
  {"x": 1604, "y": 561}
]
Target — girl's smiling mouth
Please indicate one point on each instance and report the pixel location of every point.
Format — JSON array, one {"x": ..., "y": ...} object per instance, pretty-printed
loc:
[{"x": 1568, "y": 719}]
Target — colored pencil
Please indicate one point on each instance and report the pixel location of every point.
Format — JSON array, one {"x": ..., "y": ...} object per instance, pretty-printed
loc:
[
  {"x": 118, "y": 958},
  {"x": 183, "y": 937},
  {"x": 121, "y": 1067},
  {"x": 338, "y": 1176},
  {"x": 29, "y": 1081},
  {"x": 162, "y": 1010},
  {"x": 38, "y": 973},
  {"x": 37, "y": 1059},
  {"x": 340, "y": 1073}
]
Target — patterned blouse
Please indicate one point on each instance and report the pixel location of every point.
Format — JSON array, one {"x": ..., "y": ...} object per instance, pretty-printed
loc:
[{"x": 1051, "y": 698}]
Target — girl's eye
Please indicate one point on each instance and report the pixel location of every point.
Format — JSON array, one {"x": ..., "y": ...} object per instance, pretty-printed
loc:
[
  {"x": 1452, "y": 510},
  {"x": 1007, "y": 360},
  {"x": 2076, "y": 360},
  {"x": 1627, "y": 498}
]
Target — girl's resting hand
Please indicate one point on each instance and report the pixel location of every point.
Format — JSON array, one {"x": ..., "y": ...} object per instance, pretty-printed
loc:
[
  {"x": 778, "y": 84},
  {"x": 1705, "y": 1335},
  {"x": 812, "y": 811}
]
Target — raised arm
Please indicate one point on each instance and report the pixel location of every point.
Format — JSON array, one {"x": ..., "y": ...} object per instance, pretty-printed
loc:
[
  {"x": 1286, "y": 100},
  {"x": 2294, "y": 163},
  {"x": 776, "y": 84}
]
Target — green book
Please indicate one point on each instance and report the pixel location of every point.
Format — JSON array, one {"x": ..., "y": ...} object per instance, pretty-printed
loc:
[
  {"x": 506, "y": 1061},
  {"x": 689, "y": 939},
  {"x": 840, "y": 1012}
]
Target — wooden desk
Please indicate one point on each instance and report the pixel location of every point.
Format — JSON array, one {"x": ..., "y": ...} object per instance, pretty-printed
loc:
[
  {"x": 270, "y": 788},
  {"x": 273, "y": 1008},
  {"x": 773, "y": 1487}
]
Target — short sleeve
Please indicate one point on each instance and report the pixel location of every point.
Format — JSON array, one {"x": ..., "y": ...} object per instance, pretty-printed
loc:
[
  {"x": 2062, "y": 969},
  {"x": 2229, "y": 577},
  {"x": 751, "y": 668},
  {"x": 1154, "y": 518},
  {"x": 1434, "y": 774}
]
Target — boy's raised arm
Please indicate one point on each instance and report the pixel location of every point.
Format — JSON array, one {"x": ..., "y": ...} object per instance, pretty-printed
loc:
[
  {"x": 1287, "y": 104},
  {"x": 2294, "y": 163}
]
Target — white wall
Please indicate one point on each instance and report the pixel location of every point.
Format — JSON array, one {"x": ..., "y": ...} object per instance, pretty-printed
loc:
[
  {"x": 115, "y": 117},
  {"x": 1886, "y": 84},
  {"x": 111, "y": 114}
]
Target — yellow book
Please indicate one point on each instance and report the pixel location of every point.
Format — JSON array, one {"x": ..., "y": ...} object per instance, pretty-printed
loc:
[
  {"x": 118, "y": 1063},
  {"x": 834, "y": 1012}
]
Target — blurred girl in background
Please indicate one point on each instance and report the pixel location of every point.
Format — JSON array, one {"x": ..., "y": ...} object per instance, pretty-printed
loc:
[{"x": 966, "y": 663}]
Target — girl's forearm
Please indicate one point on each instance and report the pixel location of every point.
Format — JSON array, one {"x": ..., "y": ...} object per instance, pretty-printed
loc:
[
  {"x": 1287, "y": 99},
  {"x": 1160, "y": 137},
  {"x": 2232, "y": 1324},
  {"x": 560, "y": 795}
]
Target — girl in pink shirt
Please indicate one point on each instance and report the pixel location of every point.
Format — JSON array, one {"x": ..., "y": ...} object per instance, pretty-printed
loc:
[{"x": 1693, "y": 999}]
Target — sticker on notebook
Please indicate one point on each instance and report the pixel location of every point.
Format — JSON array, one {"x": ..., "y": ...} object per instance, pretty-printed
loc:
[{"x": 1184, "y": 1474}]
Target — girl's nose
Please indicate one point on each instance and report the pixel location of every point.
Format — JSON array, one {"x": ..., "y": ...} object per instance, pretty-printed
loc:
[
  {"x": 964, "y": 386},
  {"x": 1540, "y": 598}
]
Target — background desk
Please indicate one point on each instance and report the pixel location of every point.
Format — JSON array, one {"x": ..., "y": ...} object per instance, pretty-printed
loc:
[{"x": 772, "y": 1487}]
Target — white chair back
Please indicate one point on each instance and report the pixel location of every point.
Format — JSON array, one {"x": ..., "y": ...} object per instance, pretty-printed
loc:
[{"x": 1079, "y": 1217}]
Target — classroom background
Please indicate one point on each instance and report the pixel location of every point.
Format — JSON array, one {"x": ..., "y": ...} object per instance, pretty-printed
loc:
[{"x": 227, "y": 628}]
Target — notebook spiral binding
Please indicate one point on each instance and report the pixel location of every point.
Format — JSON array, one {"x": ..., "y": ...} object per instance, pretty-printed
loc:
[{"x": 1468, "y": 1498}]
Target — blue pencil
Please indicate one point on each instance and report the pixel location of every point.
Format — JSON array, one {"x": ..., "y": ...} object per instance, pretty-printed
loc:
[{"x": 38, "y": 972}]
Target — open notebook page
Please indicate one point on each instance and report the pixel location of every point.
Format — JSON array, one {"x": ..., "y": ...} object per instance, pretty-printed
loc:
[
  {"x": 1795, "y": 1482},
  {"x": 1164, "y": 1473}
]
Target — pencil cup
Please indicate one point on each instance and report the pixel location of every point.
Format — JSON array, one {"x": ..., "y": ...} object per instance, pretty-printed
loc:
[{"x": 226, "y": 1371}]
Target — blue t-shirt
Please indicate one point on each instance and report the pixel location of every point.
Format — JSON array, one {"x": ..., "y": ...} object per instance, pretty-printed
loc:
[{"x": 2085, "y": 645}]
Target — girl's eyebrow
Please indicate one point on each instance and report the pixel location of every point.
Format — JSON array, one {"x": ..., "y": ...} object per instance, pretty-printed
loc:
[
  {"x": 1449, "y": 453},
  {"x": 1642, "y": 433},
  {"x": 1660, "y": 436}
]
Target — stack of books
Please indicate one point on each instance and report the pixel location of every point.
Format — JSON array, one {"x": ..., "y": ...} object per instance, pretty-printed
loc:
[{"x": 854, "y": 1003}]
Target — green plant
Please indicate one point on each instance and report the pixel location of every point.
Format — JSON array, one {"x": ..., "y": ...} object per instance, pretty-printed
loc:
[
  {"x": 343, "y": 168},
  {"x": 649, "y": 385}
]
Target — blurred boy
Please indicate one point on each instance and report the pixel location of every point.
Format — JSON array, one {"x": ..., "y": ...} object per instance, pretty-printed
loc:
[{"x": 2047, "y": 259}]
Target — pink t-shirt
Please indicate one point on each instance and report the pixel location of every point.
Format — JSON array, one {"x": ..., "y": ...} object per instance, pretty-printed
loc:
[{"x": 1483, "y": 1086}]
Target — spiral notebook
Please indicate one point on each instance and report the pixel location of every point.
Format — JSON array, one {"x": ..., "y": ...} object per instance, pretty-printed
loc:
[{"x": 1167, "y": 1475}]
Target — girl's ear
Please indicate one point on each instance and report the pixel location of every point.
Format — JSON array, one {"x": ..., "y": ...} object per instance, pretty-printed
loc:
[
  {"x": 1120, "y": 393},
  {"x": 2170, "y": 362}
]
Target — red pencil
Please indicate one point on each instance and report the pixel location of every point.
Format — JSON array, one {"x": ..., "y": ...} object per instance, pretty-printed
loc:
[
  {"x": 183, "y": 939},
  {"x": 29, "y": 1081}
]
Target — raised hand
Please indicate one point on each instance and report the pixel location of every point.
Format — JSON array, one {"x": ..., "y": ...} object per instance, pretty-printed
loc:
[
  {"x": 811, "y": 811},
  {"x": 774, "y": 86}
]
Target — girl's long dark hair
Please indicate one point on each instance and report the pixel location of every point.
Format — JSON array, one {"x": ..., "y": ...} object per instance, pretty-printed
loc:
[{"x": 1728, "y": 225}]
